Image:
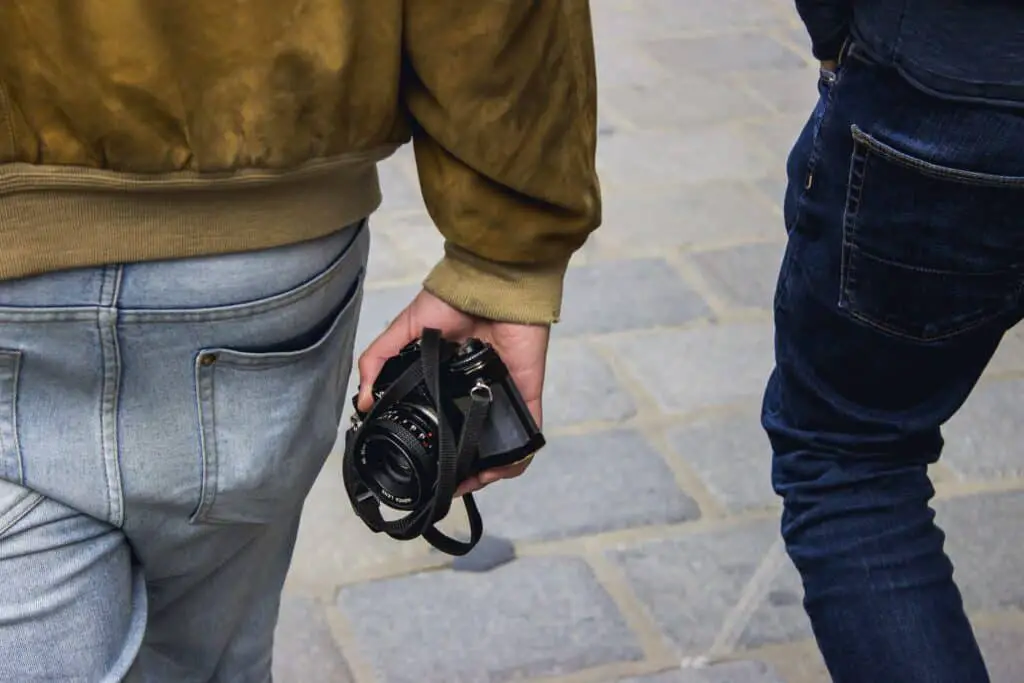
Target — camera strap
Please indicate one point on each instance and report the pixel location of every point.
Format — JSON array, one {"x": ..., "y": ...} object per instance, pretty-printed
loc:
[{"x": 450, "y": 455}]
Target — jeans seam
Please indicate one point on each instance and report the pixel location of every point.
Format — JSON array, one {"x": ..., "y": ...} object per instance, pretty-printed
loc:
[
  {"x": 854, "y": 189},
  {"x": 107, "y": 324}
]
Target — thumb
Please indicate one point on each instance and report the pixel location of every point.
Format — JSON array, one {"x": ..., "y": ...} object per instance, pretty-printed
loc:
[{"x": 386, "y": 345}]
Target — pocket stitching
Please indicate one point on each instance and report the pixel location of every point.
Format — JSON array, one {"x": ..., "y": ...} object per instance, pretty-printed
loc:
[
  {"x": 864, "y": 147},
  {"x": 244, "y": 360},
  {"x": 962, "y": 176}
]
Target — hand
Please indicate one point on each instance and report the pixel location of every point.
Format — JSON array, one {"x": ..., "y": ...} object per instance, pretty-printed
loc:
[
  {"x": 523, "y": 348},
  {"x": 830, "y": 65}
]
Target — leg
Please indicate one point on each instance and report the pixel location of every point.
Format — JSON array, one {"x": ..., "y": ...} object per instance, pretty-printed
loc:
[
  {"x": 72, "y": 608},
  {"x": 900, "y": 277},
  {"x": 252, "y": 354}
]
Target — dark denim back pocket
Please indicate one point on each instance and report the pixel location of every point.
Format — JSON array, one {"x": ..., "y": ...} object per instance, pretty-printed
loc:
[{"x": 929, "y": 252}]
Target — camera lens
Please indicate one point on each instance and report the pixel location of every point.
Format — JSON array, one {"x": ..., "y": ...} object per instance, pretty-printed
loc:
[{"x": 396, "y": 462}]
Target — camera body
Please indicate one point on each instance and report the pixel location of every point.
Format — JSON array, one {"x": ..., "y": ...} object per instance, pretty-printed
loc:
[{"x": 393, "y": 452}]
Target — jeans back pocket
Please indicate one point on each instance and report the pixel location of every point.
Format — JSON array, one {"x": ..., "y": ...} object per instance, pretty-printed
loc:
[
  {"x": 269, "y": 419},
  {"x": 929, "y": 251}
]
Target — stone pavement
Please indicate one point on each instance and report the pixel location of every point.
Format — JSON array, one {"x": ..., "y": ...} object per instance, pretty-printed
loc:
[{"x": 646, "y": 532}]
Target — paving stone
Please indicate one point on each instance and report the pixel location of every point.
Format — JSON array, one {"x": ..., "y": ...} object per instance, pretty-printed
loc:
[
  {"x": 653, "y": 222},
  {"x": 985, "y": 540},
  {"x": 1004, "y": 654},
  {"x": 580, "y": 485},
  {"x": 774, "y": 188},
  {"x": 626, "y": 295},
  {"x": 702, "y": 367},
  {"x": 621, "y": 65},
  {"x": 746, "y": 275},
  {"x": 780, "y": 617},
  {"x": 304, "y": 649},
  {"x": 728, "y": 52},
  {"x": 580, "y": 387},
  {"x": 777, "y": 135},
  {"x": 534, "y": 617},
  {"x": 983, "y": 439},
  {"x": 660, "y": 159},
  {"x": 649, "y": 19},
  {"x": 689, "y": 585},
  {"x": 683, "y": 101},
  {"x": 788, "y": 91},
  {"x": 732, "y": 456},
  {"x": 725, "y": 672}
]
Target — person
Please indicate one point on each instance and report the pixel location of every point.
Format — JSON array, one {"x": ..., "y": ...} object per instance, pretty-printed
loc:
[
  {"x": 184, "y": 194},
  {"x": 902, "y": 271}
]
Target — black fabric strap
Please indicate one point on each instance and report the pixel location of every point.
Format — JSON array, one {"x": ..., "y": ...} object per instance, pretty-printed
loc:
[{"x": 450, "y": 457}]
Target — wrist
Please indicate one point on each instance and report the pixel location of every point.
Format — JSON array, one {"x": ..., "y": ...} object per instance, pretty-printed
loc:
[{"x": 529, "y": 294}]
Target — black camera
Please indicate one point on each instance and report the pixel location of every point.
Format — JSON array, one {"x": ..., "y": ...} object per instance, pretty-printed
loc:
[{"x": 442, "y": 412}]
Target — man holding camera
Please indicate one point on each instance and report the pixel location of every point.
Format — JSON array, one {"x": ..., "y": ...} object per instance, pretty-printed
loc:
[
  {"x": 184, "y": 189},
  {"x": 903, "y": 270}
]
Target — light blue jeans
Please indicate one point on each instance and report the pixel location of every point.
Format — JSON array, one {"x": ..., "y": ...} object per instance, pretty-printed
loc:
[{"x": 160, "y": 427}]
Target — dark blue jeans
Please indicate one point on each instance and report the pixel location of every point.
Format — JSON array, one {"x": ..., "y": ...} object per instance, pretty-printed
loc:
[{"x": 903, "y": 270}]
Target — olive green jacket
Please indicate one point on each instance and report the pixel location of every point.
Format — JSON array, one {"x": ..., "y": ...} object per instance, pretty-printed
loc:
[{"x": 133, "y": 130}]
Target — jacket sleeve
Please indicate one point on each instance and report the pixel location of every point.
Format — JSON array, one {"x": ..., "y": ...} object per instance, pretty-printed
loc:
[
  {"x": 828, "y": 23},
  {"x": 502, "y": 97}
]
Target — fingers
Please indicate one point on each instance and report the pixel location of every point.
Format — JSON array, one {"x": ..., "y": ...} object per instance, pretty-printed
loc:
[
  {"x": 386, "y": 345},
  {"x": 479, "y": 481},
  {"x": 469, "y": 486}
]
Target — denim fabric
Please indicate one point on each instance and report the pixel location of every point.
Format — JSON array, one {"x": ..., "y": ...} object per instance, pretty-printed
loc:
[
  {"x": 160, "y": 427},
  {"x": 903, "y": 269},
  {"x": 963, "y": 49}
]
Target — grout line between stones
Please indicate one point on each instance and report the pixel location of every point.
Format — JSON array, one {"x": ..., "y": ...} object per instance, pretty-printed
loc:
[
  {"x": 690, "y": 273},
  {"x": 753, "y": 594},
  {"x": 686, "y": 478},
  {"x": 344, "y": 637},
  {"x": 606, "y": 673},
  {"x": 643, "y": 400},
  {"x": 650, "y": 638}
]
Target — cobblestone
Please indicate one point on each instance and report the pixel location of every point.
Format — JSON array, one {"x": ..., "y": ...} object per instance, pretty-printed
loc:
[
  {"x": 582, "y": 387},
  {"x": 686, "y": 370},
  {"x": 660, "y": 222},
  {"x": 728, "y": 52},
  {"x": 536, "y": 616},
  {"x": 306, "y": 650},
  {"x": 981, "y": 441},
  {"x": 1001, "y": 650},
  {"x": 726, "y": 672},
  {"x": 690, "y": 585},
  {"x": 731, "y": 456},
  {"x": 745, "y": 275},
  {"x": 985, "y": 540},
  {"x": 643, "y": 293},
  {"x": 718, "y": 152},
  {"x": 587, "y": 484}
]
